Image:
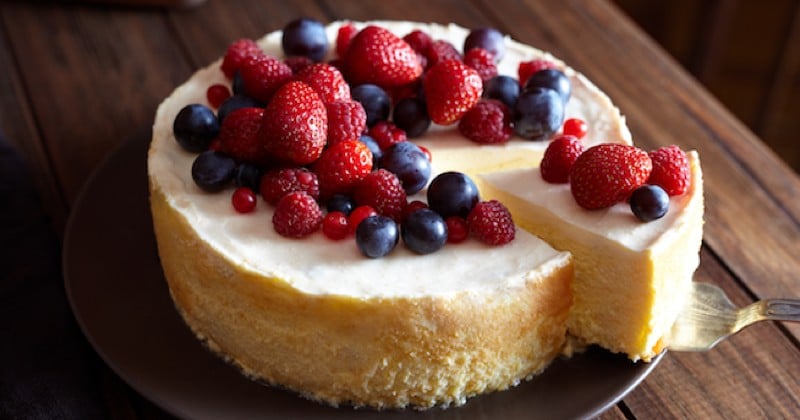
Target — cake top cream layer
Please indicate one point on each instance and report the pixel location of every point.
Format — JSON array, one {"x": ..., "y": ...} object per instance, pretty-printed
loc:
[{"x": 318, "y": 265}]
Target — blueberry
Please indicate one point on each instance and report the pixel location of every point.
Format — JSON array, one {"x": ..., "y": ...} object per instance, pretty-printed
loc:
[
  {"x": 248, "y": 175},
  {"x": 452, "y": 194},
  {"x": 376, "y": 102},
  {"x": 194, "y": 127},
  {"x": 305, "y": 37},
  {"x": 489, "y": 39},
  {"x": 409, "y": 163},
  {"x": 411, "y": 115},
  {"x": 237, "y": 85},
  {"x": 342, "y": 203},
  {"x": 649, "y": 202},
  {"x": 213, "y": 170},
  {"x": 503, "y": 88},
  {"x": 551, "y": 79},
  {"x": 424, "y": 231},
  {"x": 235, "y": 102},
  {"x": 373, "y": 146},
  {"x": 376, "y": 236},
  {"x": 538, "y": 114}
]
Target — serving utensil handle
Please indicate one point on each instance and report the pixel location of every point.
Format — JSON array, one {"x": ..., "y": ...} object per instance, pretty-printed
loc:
[{"x": 782, "y": 310}]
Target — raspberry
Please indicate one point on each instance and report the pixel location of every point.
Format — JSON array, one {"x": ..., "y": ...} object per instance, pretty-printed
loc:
[
  {"x": 263, "y": 75},
  {"x": 342, "y": 166},
  {"x": 670, "y": 170},
  {"x": 279, "y": 182},
  {"x": 440, "y": 51},
  {"x": 346, "y": 121},
  {"x": 482, "y": 61},
  {"x": 344, "y": 35},
  {"x": 239, "y": 136},
  {"x": 491, "y": 222},
  {"x": 358, "y": 215},
  {"x": 607, "y": 174},
  {"x": 413, "y": 206},
  {"x": 297, "y": 215},
  {"x": 387, "y": 134},
  {"x": 244, "y": 200},
  {"x": 488, "y": 122},
  {"x": 575, "y": 127},
  {"x": 418, "y": 40},
  {"x": 217, "y": 94},
  {"x": 327, "y": 81},
  {"x": 526, "y": 69},
  {"x": 451, "y": 89},
  {"x": 457, "y": 229},
  {"x": 298, "y": 63},
  {"x": 559, "y": 157},
  {"x": 335, "y": 225},
  {"x": 237, "y": 53},
  {"x": 382, "y": 191}
]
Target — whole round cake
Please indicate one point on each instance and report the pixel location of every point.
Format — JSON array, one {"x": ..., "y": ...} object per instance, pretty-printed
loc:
[{"x": 334, "y": 209}]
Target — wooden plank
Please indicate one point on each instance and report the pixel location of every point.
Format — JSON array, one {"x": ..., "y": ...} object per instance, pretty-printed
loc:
[{"x": 438, "y": 11}]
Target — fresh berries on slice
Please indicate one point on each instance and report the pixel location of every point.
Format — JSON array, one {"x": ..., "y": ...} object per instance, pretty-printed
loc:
[
  {"x": 358, "y": 215},
  {"x": 194, "y": 127},
  {"x": 377, "y": 56},
  {"x": 279, "y": 182},
  {"x": 237, "y": 53},
  {"x": 212, "y": 170},
  {"x": 538, "y": 113},
  {"x": 649, "y": 202},
  {"x": 344, "y": 35},
  {"x": 409, "y": 163},
  {"x": 488, "y": 122},
  {"x": 239, "y": 136},
  {"x": 376, "y": 102},
  {"x": 298, "y": 63},
  {"x": 346, "y": 121},
  {"x": 424, "y": 231},
  {"x": 305, "y": 37},
  {"x": 670, "y": 170},
  {"x": 608, "y": 173},
  {"x": 262, "y": 75},
  {"x": 451, "y": 89},
  {"x": 297, "y": 215},
  {"x": 452, "y": 194},
  {"x": 327, "y": 81},
  {"x": 503, "y": 88},
  {"x": 489, "y": 39},
  {"x": 482, "y": 61},
  {"x": 551, "y": 79},
  {"x": 295, "y": 124},
  {"x": 575, "y": 127},
  {"x": 411, "y": 115},
  {"x": 457, "y": 229},
  {"x": 341, "y": 203},
  {"x": 342, "y": 166},
  {"x": 419, "y": 40},
  {"x": 377, "y": 236},
  {"x": 382, "y": 191},
  {"x": 559, "y": 157},
  {"x": 412, "y": 207},
  {"x": 491, "y": 222},
  {"x": 216, "y": 94},
  {"x": 335, "y": 225},
  {"x": 387, "y": 134},
  {"x": 372, "y": 145},
  {"x": 526, "y": 69},
  {"x": 244, "y": 200},
  {"x": 439, "y": 51}
]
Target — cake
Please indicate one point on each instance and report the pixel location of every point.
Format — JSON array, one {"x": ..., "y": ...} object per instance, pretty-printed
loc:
[{"x": 317, "y": 317}]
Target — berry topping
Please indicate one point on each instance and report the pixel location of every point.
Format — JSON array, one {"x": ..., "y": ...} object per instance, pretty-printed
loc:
[
  {"x": 279, "y": 182},
  {"x": 412, "y": 207},
  {"x": 335, "y": 225},
  {"x": 248, "y": 175},
  {"x": 306, "y": 37},
  {"x": 607, "y": 174},
  {"x": 217, "y": 94},
  {"x": 298, "y": 63},
  {"x": 212, "y": 171},
  {"x": 194, "y": 127},
  {"x": 295, "y": 124},
  {"x": 411, "y": 115},
  {"x": 346, "y": 121},
  {"x": 239, "y": 136},
  {"x": 670, "y": 170},
  {"x": 244, "y": 200},
  {"x": 424, "y": 231},
  {"x": 372, "y": 145},
  {"x": 482, "y": 61},
  {"x": 358, "y": 215},
  {"x": 551, "y": 79},
  {"x": 452, "y": 194},
  {"x": 237, "y": 53},
  {"x": 489, "y": 39},
  {"x": 419, "y": 40},
  {"x": 327, "y": 81},
  {"x": 387, "y": 134},
  {"x": 649, "y": 202},
  {"x": 503, "y": 88},
  {"x": 377, "y": 56},
  {"x": 575, "y": 127},
  {"x": 263, "y": 75},
  {"x": 538, "y": 114},
  {"x": 451, "y": 89},
  {"x": 342, "y": 166},
  {"x": 527, "y": 68},
  {"x": 235, "y": 102},
  {"x": 559, "y": 157},
  {"x": 297, "y": 215},
  {"x": 382, "y": 191},
  {"x": 341, "y": 203},
  {"x": 377, "y": 236},
  {"x": 491, "y": 222},
  {"x": 457, "y": 229},
  {"x": 344, "y": 35},
  {"x": 376, "y": 102},
  {"x": 409, "y": 163},
  {"x": 440, "y": 51},
  {"x": 488, "y": 122}
]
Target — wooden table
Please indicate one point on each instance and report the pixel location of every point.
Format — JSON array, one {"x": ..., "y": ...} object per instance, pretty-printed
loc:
[{"x": 78, "y": 80}]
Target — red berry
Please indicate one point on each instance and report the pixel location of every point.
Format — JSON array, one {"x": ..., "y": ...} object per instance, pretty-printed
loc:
[
  {"x": 491, "y": 223},
  {"x": 526, "y": 68},
  {"x": 240, "y": 137},
  {"x": 295, "y": 124},
  {"x": 344, "y": 35},
  {"x": 297, "y": 215},
  {"x": 346, "y": 121},
  {"x": 358, "y": 215},
  {"x": 387, "y": 134},
  {"x": 342, "y": 166},
  {"x": 482, "y": 61},
  {"x": 559, "y": 157},
  {"x": 457, "y": 229},
  {"x": 263, "y": 75},
  {"x": 237, "y": 53},
  {"x": 413, "y": 206},
  {"x": 279, "y": 182},
  {"x": 440, "y": 51},
  {"x": 335, "y": 225},
  {"x": 607, "y": 174},
  {"x": 244, "y": 200},
  {"x": 217, "y": 94},
  {"x": 377, "y": 56},
  {"x": 488, "y": 122},
  {"x": 327, "y": 81},
  {"x": 298, "y": 63},
  {"x": 575, "y": 127},
  {"x": 382, "y": 191},
  {"x": 418, "y": 40},
  {"x": 671, "y": 170},
  {"x": 426, "y": 152},
  {"x": 451, "y": 89}
]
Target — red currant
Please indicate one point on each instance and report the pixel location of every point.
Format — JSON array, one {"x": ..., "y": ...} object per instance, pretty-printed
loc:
[
  {"x": 244, "y": 200},
  {"x": 217, "y": 94},
  {"x": 575, "y": 127},
  {"x": 426, "y": 152},
  {"x": 457, "y": 229},
  {"x": 335, "y": 225},
  {"x": 358, "y": 214}
]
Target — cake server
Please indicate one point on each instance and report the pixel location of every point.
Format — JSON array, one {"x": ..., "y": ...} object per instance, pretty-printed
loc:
[{"x": 710, "y": 317}]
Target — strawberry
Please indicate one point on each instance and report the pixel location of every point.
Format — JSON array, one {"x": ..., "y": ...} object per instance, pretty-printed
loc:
[
  {"x": 295, "y": 124},
  {"x": 377, "y": 56},
  {"x": 607, "y": 174},
  {"x": 670, "y": 170},
  {"x": 387, "y": 134},
  {"x": 346, "y": 121},
  {"x": 344, "y": 35},
  {"x": 488, "y": 122},
  {"x": 237, "y": 53},
  {"x": 239, "y": 136},
  {"x": 451, "y": 89},
  {"x": 382, "y": 191},
  {"x": 342, "y": 166},
  {"x": 439, "y": 51},
  {"x": 491, "y": 222},
  {"x": 297, "y": 215},
  {"x": 526, "y": 68},
  {"x": 262, "y": 75},
  {"x": 482, "y": 61},
  {"x": 327, "y": 81},
  {"x": 559, "y": 157}
]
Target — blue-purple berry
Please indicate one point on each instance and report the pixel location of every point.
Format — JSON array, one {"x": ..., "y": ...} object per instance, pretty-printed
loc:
[{"x": 452, "y": 194}]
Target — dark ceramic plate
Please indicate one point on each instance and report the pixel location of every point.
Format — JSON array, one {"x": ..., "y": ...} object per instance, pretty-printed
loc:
[{"x": 120, "y": 299}]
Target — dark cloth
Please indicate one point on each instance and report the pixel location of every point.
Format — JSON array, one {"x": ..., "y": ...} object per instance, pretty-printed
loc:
[{"x": 47, "y": 369}]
